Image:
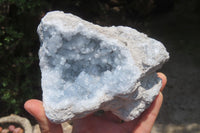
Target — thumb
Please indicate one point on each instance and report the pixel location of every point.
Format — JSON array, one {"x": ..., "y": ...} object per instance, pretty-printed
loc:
[{"x": 36, "y": 109}]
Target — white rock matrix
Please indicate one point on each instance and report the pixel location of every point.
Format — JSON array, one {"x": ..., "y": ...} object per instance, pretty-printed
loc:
[{"x": 86, "y": 67}]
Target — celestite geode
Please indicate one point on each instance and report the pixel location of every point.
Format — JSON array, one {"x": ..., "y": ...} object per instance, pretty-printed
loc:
[{"x": 86, "y": 67}]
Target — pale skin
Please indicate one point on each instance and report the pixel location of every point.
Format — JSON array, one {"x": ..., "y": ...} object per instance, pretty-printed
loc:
[{"x": 106, "y": 123}]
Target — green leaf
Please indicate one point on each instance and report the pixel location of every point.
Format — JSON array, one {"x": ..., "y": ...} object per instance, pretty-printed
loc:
[
  {"x": 4, "y": 84},
  {"x": 13, "y": 101},
  {"x": 6, "y": 96}
]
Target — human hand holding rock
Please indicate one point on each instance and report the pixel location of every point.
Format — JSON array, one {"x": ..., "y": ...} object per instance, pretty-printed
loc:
[
  {"x": 86, "y": 67},
  {"x": 106, "y": 123}
]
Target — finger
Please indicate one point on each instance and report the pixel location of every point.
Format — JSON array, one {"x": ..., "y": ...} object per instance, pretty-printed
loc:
[
  {"x": 164, "y": 80},
  {"x": 36, "y": 109},
  {"x": 147, "y": 119}
]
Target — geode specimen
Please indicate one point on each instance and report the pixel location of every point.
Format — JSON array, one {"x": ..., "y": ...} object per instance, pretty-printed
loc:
[{"x": 86, "y": 67}]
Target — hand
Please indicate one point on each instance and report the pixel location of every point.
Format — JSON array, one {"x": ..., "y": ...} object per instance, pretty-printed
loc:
[{"x": 106, "y": 123}]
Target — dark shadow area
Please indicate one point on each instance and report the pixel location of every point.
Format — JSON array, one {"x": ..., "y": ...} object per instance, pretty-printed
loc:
[{"x": 179, "y": 30}]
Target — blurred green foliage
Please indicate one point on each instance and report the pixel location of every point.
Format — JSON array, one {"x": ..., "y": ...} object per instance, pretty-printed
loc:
[{"x": 19, "y": 70}]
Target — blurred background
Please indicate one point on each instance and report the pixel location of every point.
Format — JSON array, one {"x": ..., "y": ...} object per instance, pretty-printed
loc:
[{"x": 176, "y": 23}]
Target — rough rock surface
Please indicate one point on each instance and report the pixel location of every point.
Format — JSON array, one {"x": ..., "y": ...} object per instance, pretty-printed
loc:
[
  {"x": 86, "y": 67},
  {"x": 24, "y": 122}
]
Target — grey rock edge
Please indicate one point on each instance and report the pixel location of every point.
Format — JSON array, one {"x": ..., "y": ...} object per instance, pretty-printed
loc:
[
  {"x": 86, "y": 67},
  {"x": 22, "y": 121}
]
